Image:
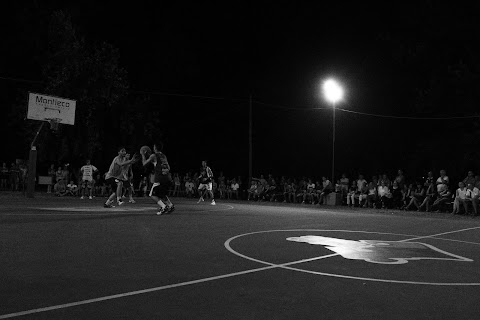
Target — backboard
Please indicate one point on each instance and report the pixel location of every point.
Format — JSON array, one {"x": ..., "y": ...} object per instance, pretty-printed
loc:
[{"x": 43, "y": 107}]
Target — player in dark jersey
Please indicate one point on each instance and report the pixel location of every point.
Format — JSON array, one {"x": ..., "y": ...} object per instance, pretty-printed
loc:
[
  {"x": 162, "y": 178},
  {"x": 206, "y": 178}
]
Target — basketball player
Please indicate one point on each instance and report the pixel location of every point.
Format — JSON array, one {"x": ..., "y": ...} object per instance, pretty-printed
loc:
[
  {"x": 206, "y": 177},
  {"x": 87, "y": 179},
  {"x": 162, "y": 178},
  {"x": 114, "y": 177},
  {"x": 127, "y": 179}
]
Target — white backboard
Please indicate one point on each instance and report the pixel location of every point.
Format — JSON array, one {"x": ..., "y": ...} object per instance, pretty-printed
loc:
[{"x": 43, "y": 107}]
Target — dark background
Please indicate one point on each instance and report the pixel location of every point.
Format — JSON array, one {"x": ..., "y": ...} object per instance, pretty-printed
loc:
[{"x": 195, "y": 65}]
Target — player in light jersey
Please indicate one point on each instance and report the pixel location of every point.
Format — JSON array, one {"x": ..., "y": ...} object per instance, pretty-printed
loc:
[
  {"x": 206, "y": 177},
  {"x": 114, "y": 177},
  {"x": 127, "y": 179},
  {"x": 87, "y": 179},
  {"x": 162, "y": 178}
]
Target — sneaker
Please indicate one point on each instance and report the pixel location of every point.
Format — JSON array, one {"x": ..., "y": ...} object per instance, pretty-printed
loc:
[
  {"x": 162, "y": 211},
  {"x": 213, "y": 203},
  {"x": 131, "y": 201},
  {"x": 82, "y": 197},
  {"x": 108, "y": 205},
  {"x": 200, "y": 200},
  {"x": 170, "y": 209},
  {"x": 90, "y": 198},
  {"x": 120, "y": 202}
]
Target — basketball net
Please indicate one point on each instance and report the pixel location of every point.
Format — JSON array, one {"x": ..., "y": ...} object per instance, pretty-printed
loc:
[{"x": 54, "y": 124}]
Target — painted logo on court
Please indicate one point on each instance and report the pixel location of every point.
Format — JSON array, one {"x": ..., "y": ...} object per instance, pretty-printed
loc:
[{"x": 383, "y": 252}]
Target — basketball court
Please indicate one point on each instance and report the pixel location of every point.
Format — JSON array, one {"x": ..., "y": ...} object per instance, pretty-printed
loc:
[{"x": 66, "y": 258}]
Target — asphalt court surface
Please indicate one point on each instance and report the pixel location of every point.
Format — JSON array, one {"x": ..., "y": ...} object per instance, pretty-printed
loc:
[{"x": 71, "y": 258}]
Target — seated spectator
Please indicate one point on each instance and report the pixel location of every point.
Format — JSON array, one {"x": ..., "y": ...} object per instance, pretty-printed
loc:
[
  {"x": 460, "y": 196},
  {"x": 309, "y": 192},
  {"x": 327, "y": 188},
  {"x": 407, "y": 195},
  {"x": 443, "y": 181},
  {"x": 444, "y": 196},
  {"x": 351, "y": 194},
  {"x": 301, "y": 189},
  {"x": 472, "y": 196},
  {"x": 293, "y": 192},
  {"x": 417, "y": 197},
  {"x": 430, "y": 195},
  {"x": 287, "y": 189},
  {"x": 384, "y": 194},
  {"x": 60, "y": 188},
  {"x": 234, "y": 189},
  {"x": 72, "y": 189},
  {"x": 371, "y": 196},
  {"x": 189, "y": 188},
  {"x": 252, "y": 190}
]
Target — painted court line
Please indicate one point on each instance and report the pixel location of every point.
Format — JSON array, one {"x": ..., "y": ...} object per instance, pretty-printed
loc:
[{"x": 181, "y": 284}]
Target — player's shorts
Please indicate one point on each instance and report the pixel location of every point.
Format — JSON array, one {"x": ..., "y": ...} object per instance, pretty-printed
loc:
[
  {"x": 204, "y": 186},
  {"x": 159, "y": 190},
  {"x": 113, "y": 182},
  {"x": 88, "y": 184}
]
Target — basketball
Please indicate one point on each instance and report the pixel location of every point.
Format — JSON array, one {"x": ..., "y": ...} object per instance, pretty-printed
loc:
[{"x": 146, "y": 151}]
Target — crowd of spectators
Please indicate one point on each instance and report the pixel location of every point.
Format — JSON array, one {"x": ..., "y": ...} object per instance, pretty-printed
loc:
[{"x": 430, "y": 193}]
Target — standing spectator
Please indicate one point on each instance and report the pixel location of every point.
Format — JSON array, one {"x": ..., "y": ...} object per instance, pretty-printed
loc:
[
  {"x": 88, "y": 182},
  {"x": 344, "y": 185},
  {"x": 429, "y": 179},
  {"x": 51, "y": 174},
  {"x": 400, "y": 179},
  {"x": 470, "y": 178},
  {"x": 4, "y": 176},
  {"x": 397, "y": 195},
  {"x": 189, "y": 188},
  {"x": 14, "y": 176},
  {"x": 176, "y": 182},
  {"x": 384, "y": 179},
  {"x": 351, "y": 194},
  {"x": 143, "y": 185}
]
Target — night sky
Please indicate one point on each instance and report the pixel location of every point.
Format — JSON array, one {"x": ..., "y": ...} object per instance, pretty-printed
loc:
[{"x": 201, "y": 61}]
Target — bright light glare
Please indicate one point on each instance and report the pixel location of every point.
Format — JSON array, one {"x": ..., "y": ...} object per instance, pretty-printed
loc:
[{"x": 332, "y": 91}]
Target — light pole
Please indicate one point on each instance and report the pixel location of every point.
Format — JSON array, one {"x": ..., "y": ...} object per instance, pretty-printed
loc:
[{"x": 333, "y": 93}]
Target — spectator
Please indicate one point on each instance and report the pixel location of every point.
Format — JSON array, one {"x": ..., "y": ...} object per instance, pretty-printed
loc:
[
  {"x": 429, "y": 179},
  {"x": 234, "y": 188},
  {"x": 371, "y": 196},
  {"x": 293, "y": 192},
  {"x": 327, "y": 188},
  {"x": 252, "y": 191},
  {"x": 52, "y": 175},
  {"x": 143, "y": 186},
  {"x": 443, "y": 181},
  {"x": 222, "y": 187},
  {"x": 309, "y": 192},
  {"x": 176, "y": 183},
  {"x": 460, "y": 196},
  {"x": 14, "y": 176},
  {"x": 407, "y": 195},
  {"x": 60, "y": 188},
  {"x": 470, "y": 178},
  {"x": 384, "y": 194},
  {"x": 189, "y": 188},
  {"x": 430, "y": 195},
  {"x": 72, "y": 189},
  {"x": 351, "y": 194},
  {"x": 384, "y": 179},
  {"x": 400, "y": 179},
  {"x": 4, "y": 176},
  {"x": 443, "y": 198},
  {"x": 471, "y": 196},
  {"x": 397, "y": 195},
  {"x": 417, "y": 197}
]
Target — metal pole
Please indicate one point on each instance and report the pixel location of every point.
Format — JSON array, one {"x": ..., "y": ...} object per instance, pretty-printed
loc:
[
  {"x": 250, "y": 142},
  {"x": 333, "y": 149}
]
